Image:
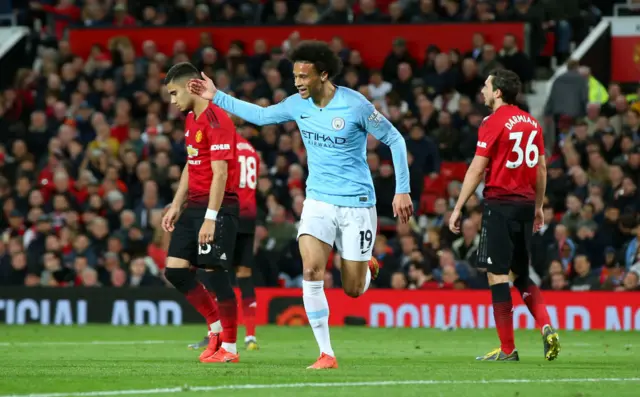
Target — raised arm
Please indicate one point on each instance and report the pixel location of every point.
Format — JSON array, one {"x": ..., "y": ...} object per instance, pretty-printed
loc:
[
  {"x": 274, "y": 114},
  {"x": 205, "y": 88}
]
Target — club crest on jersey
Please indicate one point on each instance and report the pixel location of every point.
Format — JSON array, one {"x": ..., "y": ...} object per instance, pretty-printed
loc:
[
  {"x": 337, "y": 123},
  {"x": 191, "y": 151},
  {"x": 198, "y": 136}
]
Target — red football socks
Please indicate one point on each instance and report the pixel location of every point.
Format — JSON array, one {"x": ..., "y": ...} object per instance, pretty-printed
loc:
[
  {"x": 229, "y": 320},
  {"x": 532, "y": 297},
  {"x": 503, "y": 316},
  {"x": 201, "y": 300}
]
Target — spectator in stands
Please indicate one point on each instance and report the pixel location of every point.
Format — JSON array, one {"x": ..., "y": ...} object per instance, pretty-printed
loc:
[
  {"x": 465, "y": 247},
  {"x": 420, "y": 277},
  {"x": 399, "y": 54},
  {"x": 369, "y": 13},
  {"x": 489, "y": 61},
  {"x": 425, "y": 12},
  {"x": 447, "y": 260},
  {"x": 442, "y": 78},
  {"x": 338, "y": 13},
  {"x": 452, "y": 10},
  {"x": 384, "y": 184},
  {"x": 631, "y": 281},
  {"x": 571, "y": 217},
  {"x": 308, "y": 14},
  {"x": 612, "y": 273},
  {"x": 470, "y": 82},
  {"x": 569, "y": 94},
  {"x": 397, "y": 13},
  {"x": 512, "y": 58},
  {"x": 559, "y": 282},
  {"x": 584, "y": 279},
  {"x": 631, "y": 250},
  {"x": 140, "y": 275},
  {"x": 597, "y": 93},
  {"x": 447, "y": 137},
  {"x": 399, "y": 281}
]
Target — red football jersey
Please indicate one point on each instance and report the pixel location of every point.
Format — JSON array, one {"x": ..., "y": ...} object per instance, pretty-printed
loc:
[
  {"x": 210, "y": 137},
  {"x": 512, "y": 140},
  {"x": 248, "y": 167}
]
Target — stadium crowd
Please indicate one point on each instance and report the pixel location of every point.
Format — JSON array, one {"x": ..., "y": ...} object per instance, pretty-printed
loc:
[{"x": 91, "y": 151}]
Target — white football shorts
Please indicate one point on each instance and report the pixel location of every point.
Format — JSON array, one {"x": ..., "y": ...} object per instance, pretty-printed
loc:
[{"x": 352, "y": 229}]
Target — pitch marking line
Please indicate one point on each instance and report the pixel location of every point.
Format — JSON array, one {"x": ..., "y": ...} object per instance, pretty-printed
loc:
[
  {"x": 186, "y": 388},
  {"x": 94, "y": 342},
  {"x": 166, "y": 342}
]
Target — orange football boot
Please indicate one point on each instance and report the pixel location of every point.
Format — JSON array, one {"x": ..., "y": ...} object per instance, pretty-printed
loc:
[
  {"x": 374, "y": 267},
  {"x": 325, "y": 362},
  {"x": 222, "y": 356},
  {"x": 215, "y": 341}
]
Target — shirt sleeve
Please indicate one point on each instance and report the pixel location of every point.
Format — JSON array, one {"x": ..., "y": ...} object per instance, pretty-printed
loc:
[
  {"x": 274, "y": 114},
  {"x": 221, "y": 141},
  {"x": 487, "y": 139},
  {"x": 377, "y": 125}
]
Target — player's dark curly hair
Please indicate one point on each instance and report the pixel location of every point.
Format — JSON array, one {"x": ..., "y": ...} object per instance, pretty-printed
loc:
[
  {"x": 508, "y": 83},
  {"x": 320, "y": 55},
  {"x": 181, "y": 71}
]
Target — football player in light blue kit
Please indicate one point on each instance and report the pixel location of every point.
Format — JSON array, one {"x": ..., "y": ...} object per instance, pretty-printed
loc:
[{"x": 340, "y": 203}]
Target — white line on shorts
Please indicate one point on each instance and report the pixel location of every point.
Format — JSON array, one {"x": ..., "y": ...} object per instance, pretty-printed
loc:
[
  {"x": 93, "y": 342},
  {"x": 172, "y": 390}
]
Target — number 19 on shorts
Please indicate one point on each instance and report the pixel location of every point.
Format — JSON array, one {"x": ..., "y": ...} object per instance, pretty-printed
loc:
[{"x": 366, "y": 240}]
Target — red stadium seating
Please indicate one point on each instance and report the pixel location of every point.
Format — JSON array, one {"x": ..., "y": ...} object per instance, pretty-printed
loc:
[
  {"x": 437, "y": 186},
  {"x": 453, "y": 171},
  {"x": 427, "y": 203}
]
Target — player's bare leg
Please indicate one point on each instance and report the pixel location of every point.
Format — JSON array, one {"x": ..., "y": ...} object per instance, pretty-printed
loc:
[
  {"x": 315, "y": 255},
  {"x": 245, "y": 283},
  {"x": 357, "y": 276},
  {"x": 532, "y": 297},
  {"x": 503, "y": 315},
  {"x": 179, "y": 274}
]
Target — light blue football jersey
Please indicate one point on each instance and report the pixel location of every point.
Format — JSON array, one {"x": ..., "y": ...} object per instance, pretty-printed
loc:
[{"x": 335, "y": 138}]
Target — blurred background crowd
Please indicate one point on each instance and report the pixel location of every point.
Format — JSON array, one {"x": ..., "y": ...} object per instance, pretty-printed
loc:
[{"x": 91, "y": 152}]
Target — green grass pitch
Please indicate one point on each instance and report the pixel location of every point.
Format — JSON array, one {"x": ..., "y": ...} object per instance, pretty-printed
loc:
[{"x": 111, "y": 361}]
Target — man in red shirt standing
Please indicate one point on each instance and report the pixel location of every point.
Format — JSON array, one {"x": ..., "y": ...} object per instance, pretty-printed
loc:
[
  {"x": 510, "y": 150},
  {"x": 205, "y": 231},
  {"x": 66, "y": 13},
  {"x": 243, "y": 257}
]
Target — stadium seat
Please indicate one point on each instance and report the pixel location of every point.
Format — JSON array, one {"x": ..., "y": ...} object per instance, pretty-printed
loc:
[
  {"x": 427, "y": 203},
  {"x": 453, "y": 171},
  {"x": 437, "y": 186}
]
